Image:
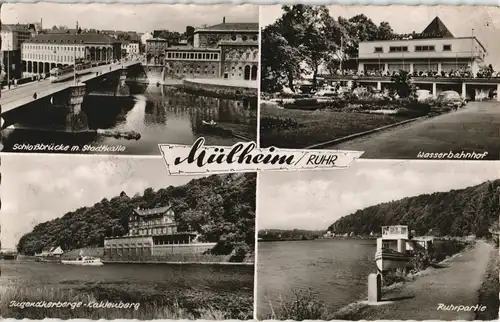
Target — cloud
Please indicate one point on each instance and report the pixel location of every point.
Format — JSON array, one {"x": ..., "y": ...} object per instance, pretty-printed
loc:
[{"x": 128, "y": 17}]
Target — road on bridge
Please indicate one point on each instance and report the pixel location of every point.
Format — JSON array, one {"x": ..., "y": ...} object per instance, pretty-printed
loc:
[
  {"x": 23, "y": 94},
  {"x": 475, "y": 128}
]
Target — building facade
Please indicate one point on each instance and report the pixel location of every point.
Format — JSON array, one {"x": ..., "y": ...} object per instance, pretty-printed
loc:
[
  {"x": 153, "y": 233},
  {"x": 155, "y": 50},
  {"x": 130, "y": 48},
  {"x": 434, "y": 50},
  {"x": 226, "y": 50},
  {"x": 193, "y": 62},
  {"x": 46, "y": 51},
  {"x": 13, "y": 36}
]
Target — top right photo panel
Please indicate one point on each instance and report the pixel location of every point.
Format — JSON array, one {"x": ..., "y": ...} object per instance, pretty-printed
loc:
[{"x": 397, "y": 82}]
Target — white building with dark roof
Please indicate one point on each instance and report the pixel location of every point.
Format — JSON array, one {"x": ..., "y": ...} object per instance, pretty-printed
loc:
[{"x": 436, "y": 49}]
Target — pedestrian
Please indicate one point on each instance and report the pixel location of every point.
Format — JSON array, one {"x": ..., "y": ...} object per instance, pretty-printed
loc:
[
  {"x": 34, "y": 96},
  {"x": 15, "y": 82},
  {"x": 8, "y": 83}
]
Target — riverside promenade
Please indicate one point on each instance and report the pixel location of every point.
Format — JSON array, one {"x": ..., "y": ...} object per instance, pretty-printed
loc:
[{"x": 455, "y": 283}]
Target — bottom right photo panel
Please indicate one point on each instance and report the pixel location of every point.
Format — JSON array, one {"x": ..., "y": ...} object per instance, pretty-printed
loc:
[{"x": 381, "y": 240}]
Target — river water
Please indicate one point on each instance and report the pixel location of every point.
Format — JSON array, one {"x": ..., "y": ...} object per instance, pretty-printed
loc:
[
  {"x": 161, "y": 114},
  {"x": 335, "y": 270},
  {"x": 225, "y": 287}
]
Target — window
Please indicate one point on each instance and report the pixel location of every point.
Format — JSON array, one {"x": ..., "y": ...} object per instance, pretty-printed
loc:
[
  {"x": 424, "y": 48},
  {"x": 446, "y": 47},
  {"x": 379, "y": 50},
  {"x": 398, "y": 49},
  {"x": 244, "y": 38}
]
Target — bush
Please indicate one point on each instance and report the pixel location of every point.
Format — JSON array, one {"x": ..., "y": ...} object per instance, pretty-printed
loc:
[{"x": 303, "y": 306}]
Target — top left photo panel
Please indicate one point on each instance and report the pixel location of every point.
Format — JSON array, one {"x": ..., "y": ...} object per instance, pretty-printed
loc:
[{"x": 121, "y": 79}]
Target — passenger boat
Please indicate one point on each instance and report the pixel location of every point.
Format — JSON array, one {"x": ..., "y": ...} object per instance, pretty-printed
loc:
[
  {"x": 388, "y": 259},
  {"x": 392, "y": 248},
  {"x": 83, "y": 261}
]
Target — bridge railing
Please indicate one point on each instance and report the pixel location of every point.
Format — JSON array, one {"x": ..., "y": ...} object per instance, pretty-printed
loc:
[{"x": 23, "y": 80}]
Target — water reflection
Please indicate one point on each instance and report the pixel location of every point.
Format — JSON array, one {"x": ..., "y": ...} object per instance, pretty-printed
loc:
[{"x": 160, "y": 114}]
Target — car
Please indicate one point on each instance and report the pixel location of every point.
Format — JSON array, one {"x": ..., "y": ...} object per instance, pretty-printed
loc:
[{"x": 450, "y": 99}]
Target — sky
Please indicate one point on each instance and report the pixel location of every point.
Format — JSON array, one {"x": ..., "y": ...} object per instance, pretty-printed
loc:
[
  {"x": 39, "y": 188},
  {"x": 316, "y": 199},
  {"x": 127, "y": 17},
  {"x": 460, "y": 20}
]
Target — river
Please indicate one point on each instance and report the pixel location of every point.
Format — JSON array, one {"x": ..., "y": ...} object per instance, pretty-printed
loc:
[
  {"x": 160, "y": 114},
  {"x": 227, "y": 288},
  {"x": 335, "y": 270}
]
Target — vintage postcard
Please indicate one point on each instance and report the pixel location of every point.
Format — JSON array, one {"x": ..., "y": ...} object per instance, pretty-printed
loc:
[
  {"x": 116, "y": 78},
  {"x": 383, "y": 240},
  {"x": 97, "y": 237},
  {"x": 397, "y": 82}
]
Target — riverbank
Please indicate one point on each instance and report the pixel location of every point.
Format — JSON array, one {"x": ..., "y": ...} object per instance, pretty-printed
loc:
[
  {"x": 466, "y": 278},
  {"x": 455, "y": 281},
  {"x": 173, "y": 292}
]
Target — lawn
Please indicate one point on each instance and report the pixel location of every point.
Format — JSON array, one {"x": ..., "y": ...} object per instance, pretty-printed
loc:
[{"x": 319, "y": 126}]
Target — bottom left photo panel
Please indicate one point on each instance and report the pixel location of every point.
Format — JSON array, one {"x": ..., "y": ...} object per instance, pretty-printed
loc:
[{"x": 118, "y": 238}]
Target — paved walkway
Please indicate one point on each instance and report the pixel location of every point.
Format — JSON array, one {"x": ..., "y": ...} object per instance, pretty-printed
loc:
[
  {"x": 457, "y": 283},
  {"x": 476, "y": 128}
]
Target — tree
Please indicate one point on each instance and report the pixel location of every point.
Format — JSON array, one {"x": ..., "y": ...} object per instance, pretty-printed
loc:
[
  {"x": 189, "y": 34},
  {"x": 321, "y": 37},
  {"x": 385, "y": 31},
  {"x": 402, "y": 84}
]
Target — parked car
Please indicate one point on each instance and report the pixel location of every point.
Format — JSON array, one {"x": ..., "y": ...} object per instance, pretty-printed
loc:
[{"x": 450, "y": 99}]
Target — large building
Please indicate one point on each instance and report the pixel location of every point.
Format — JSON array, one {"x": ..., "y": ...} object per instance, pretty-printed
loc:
[
  {"x": 153, "y": 232},
  {"x": 436, "y": 59},
  {"x": 13, "y": 36},
  {"x": 433, "y": 50},
  {"x": 46, "y": 51},
  {"x": 155, "y": 50},
  {"x": 130, "y": 48},
  {"x": 226, "y": 50}
]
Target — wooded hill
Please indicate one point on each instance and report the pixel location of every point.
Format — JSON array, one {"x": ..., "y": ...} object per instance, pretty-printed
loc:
[
  {"x": 219, "y": 207},
  {"x": 473, "y": 210}
]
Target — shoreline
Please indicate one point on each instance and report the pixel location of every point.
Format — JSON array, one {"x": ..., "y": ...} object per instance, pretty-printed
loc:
[
  {"x": 357, "y": 310},
  {"x": 180, "y": 263}
]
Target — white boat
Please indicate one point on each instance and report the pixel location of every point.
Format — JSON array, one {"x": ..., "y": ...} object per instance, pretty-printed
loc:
[
  {"x": 392, "y": 248},
  {"x": 388, "y": 259},
  {"x": 211, "y": 123},
  {"x": 83, "y": 261}
]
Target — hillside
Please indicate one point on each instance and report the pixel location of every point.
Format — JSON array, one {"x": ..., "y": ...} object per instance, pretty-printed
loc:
[
  {"x": 472, "y": 210},
  {"x": 217, "y": 207}
]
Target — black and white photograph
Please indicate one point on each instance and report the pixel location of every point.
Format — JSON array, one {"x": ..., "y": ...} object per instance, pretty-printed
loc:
[
  {"x": 383, "y": 240},
  {"x": 397, "y": 82},
  {"x": 121, "y": 78},
  {"x": 106, "y": 237}
]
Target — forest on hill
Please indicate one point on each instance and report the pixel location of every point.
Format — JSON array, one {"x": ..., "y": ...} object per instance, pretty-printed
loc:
[
  {"x": 219, "y": 207},
  {"x": 470, "y": 211}
]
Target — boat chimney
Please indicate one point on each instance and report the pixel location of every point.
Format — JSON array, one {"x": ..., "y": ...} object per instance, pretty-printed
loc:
[{"x": 223, "y": 19}]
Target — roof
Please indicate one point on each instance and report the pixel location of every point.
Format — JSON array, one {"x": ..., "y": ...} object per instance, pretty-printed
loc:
[
  {"x": 437, "y": 27},
  {"x": 184, "y": 48},
  {"x": 239, "y": 43},
  {"x": 157, "y": 39},
  {"x": 154, "y": 211},
  {"x": 232, "y": 26},
  {"x": 85, "y": 38},
  {"x": 16, "y": 27}
]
